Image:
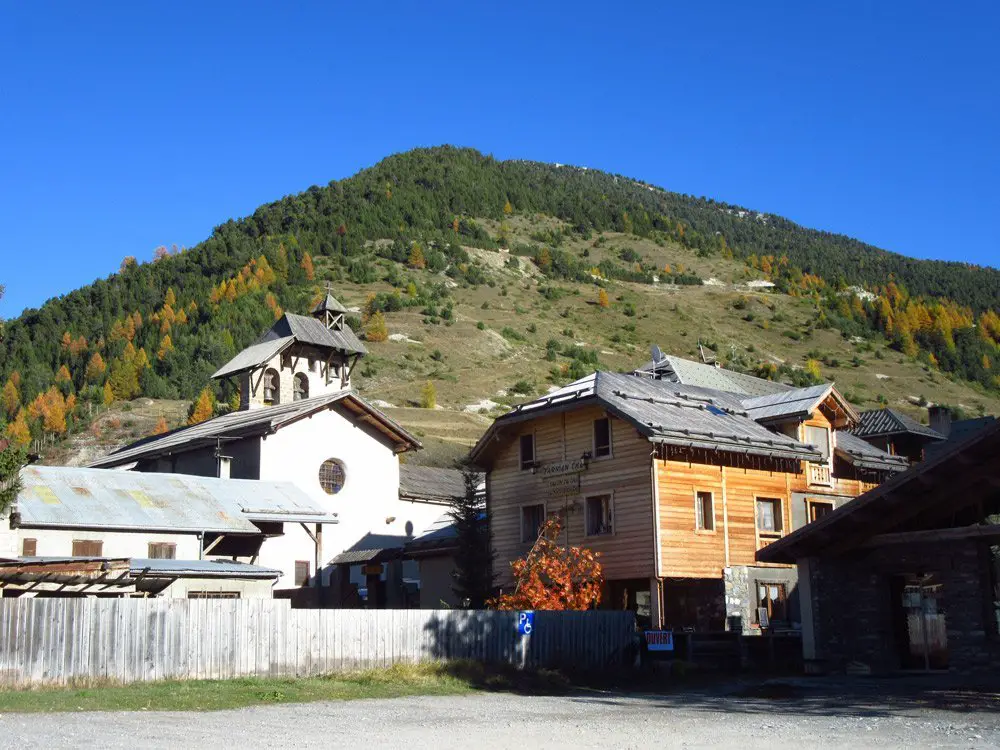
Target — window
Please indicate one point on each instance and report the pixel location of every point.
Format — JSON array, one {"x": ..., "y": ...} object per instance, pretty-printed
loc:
[
  {"x": 300, "y": 387},
  {"x": 87, "y": 548},
  {"x": 332, "y": 476},
  {"x": 769, "y": 517},
  {"x": 29, "y": 547},
  {"x": 162, "y": 551},
  {"x": 818, "y": 509},
  {"x": 532, "y": 520},
  {"x": 771, "y": 603},
  {"x": 819, "y": 438},
  {"x": 272, "y": 387},
  {"x": 527, "y": 452},
  {"x": 602, "y": 437},
  {"x": 704, "y": 511},
  {"x": 599, "y": 515},
  {"x": 302, "y": 572},
  {"x": 213, "y": 594}
]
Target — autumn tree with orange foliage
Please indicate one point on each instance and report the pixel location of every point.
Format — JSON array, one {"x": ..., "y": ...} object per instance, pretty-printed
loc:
[
  {"x": 10, "y": 399},
  {"x": 161, "y": 427},
  {"x": 203, "y": 408},
  {"x": 377, "y": 329},
  {"x": 307, "y": 266},
  {"x": 602, "y": 298},
  {"x": 416, "y": 259},
  {"x": 553, "y": 576}
]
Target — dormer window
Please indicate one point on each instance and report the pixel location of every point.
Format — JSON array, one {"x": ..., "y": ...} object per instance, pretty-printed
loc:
[
  {"x": 300, "y": 387},
  {"x": 272, "y": 387},
  {"x": 819, "y": 438}
]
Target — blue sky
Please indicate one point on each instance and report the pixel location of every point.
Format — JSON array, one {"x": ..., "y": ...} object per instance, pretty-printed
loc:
[{"x": 126, "y": 126}]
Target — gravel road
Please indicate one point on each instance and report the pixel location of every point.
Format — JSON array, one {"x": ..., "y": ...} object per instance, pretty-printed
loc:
[{"x": 493, "y": 720}]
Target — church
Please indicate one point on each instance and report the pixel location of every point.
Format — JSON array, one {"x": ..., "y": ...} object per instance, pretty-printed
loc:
[{"x": 299, "y": 420}]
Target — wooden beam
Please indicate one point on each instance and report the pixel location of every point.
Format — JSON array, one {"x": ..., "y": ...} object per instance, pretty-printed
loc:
[
  {"x": 212, "y": 546},
  {"x": 975, "y": 531}
]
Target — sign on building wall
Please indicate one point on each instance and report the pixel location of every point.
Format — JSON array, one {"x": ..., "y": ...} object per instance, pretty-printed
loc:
[
  {"x": 525, "y": 622},
  {"x": 563, "y": 478},
  {"x": 660, "y": 640}
]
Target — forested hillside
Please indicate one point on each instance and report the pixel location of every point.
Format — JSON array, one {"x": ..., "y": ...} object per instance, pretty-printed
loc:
[{"x": 406, "y": 235}]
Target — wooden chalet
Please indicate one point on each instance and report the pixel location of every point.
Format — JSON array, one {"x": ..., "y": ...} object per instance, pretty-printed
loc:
[
  {"x": 677, "y": 485},
  {"x": 897, "y": 433}
]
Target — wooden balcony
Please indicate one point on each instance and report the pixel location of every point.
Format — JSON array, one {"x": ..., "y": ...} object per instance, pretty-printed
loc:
[{"x": 820, "y": 474}]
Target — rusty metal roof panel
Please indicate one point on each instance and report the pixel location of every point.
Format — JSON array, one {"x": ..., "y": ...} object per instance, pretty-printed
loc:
[{"x": 61, "y": 496}]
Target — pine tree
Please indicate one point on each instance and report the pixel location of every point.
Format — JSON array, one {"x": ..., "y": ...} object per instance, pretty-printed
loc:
[
  {"x": 109, "y": 394},
  {"x": 10, "y": 399},
  {"x": 203, "y": 408},
  {"x": 166, "y": 346},
  {"x": 18, "y": 431},
  {"x": 473, "y": 573},
  {"x": 428, "y": 396},
  {"x": 602, "y": 298},
  {"x": 377, "y": 329},
  {"x": 161, "y": 427},
  {"x": 11, "y": 461},
  {"x": 416, "y": 259},
  {"x": 508, "y": 209},
  {"x": 307, "y": 266},
  {"x": 95, "y": 368},
  {"x": 170, "y": 299}
]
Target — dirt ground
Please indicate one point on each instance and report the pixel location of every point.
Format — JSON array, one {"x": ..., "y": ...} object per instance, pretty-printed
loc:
[{"x": 791, "y": 713}]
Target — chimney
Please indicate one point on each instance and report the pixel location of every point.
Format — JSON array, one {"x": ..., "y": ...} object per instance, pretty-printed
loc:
[{"x": 940, "y": 419}]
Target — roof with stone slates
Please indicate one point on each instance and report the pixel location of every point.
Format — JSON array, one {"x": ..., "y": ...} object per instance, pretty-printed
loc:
[
  {"x": 244, "y": 423},
  {"x": 308, "y": 330},
  {"x": 882, "y": 422},
  {"x": 431, "y": 483},
  {"x": 329, "y": 304},
  {"x": 864, "y": 455},
  {"x": 688, "y": 372},
  {"x": 667, "y": 412},
  {"x": 254, "y": 356}
]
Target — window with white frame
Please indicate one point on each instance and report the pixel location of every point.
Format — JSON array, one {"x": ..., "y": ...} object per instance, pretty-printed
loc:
[
  {"x": 704, "y": 511},
  {"x": 600, "y": 515},
  {"x": 769, "y": 519},
  {"x": 527, "y": 451},
  {"x": 532, "y": 520},
  {"x": 602, "y": 437}
]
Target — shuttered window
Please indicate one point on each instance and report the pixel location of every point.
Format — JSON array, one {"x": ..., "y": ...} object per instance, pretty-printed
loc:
[
  {"x": 162, "y": 551},
  {"x": 29, "y": 547},
  {"x": 302, "y": 568},
  {"x": 87, "y": 548}
]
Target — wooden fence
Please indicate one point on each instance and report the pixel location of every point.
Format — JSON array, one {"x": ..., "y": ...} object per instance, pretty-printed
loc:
[{"x": 81, "y": 641}]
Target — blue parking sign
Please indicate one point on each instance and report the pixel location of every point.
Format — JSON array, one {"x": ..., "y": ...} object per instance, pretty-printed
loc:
[{"x": 525, "y": 622}]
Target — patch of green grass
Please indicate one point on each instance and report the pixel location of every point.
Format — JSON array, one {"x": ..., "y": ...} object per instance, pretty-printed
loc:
[{"x": 216, "y": 695}]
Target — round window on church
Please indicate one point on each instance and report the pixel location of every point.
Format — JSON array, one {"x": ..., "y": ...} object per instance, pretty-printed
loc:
[{"x": 332, "y": 476}]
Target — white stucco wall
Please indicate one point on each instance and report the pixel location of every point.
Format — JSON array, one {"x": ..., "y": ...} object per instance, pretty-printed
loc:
[
  {"x": 59, "y": 542},
  {"x": 370, "y": 495}
]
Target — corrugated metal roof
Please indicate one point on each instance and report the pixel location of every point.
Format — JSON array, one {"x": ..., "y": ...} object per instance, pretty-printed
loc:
[
  {"x": 864, "y": 455},
  {"x": 62, "y": 496},
  {"x": 687, "y": 372},
  {"x": 432, "y": 484},
  {"x": 882, "y": 422},
  {"x": 200, "y": 568},
  {"x": 790, "y": 403},
  {"x": 253, "y": 356},
  {"x": 668, "y": 412}
]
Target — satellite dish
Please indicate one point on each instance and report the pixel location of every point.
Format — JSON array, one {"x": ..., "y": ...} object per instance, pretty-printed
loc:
[{"x": 657, "y": 354}]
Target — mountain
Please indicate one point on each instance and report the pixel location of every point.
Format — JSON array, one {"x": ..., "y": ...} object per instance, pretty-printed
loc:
[{"x": 417, "y": 239}]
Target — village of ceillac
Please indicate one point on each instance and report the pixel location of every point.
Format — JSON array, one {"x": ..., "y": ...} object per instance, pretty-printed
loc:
[{"x": 518, "y": 443}]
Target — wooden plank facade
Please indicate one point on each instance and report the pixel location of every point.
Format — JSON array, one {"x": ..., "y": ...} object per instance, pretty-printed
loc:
[{"x": 695, "y": 564}]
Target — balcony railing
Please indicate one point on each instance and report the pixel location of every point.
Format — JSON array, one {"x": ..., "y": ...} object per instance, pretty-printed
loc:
[{"x": 820, "y": 474}]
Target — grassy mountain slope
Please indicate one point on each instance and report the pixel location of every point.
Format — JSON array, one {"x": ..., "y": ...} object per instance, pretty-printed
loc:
[{"x": 490, "y": 326}]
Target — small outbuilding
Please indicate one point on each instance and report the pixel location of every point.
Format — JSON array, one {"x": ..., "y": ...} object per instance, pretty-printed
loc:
[{"x": 906, "y": 576}]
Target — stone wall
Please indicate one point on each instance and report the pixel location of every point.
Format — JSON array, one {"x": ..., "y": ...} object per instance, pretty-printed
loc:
[
  {"x": 741, "y": 594},
  {"x": 853, "y": 609}
]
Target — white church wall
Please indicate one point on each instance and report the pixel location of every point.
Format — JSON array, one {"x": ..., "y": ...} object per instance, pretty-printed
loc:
[{"x": 368, "y": 503}]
